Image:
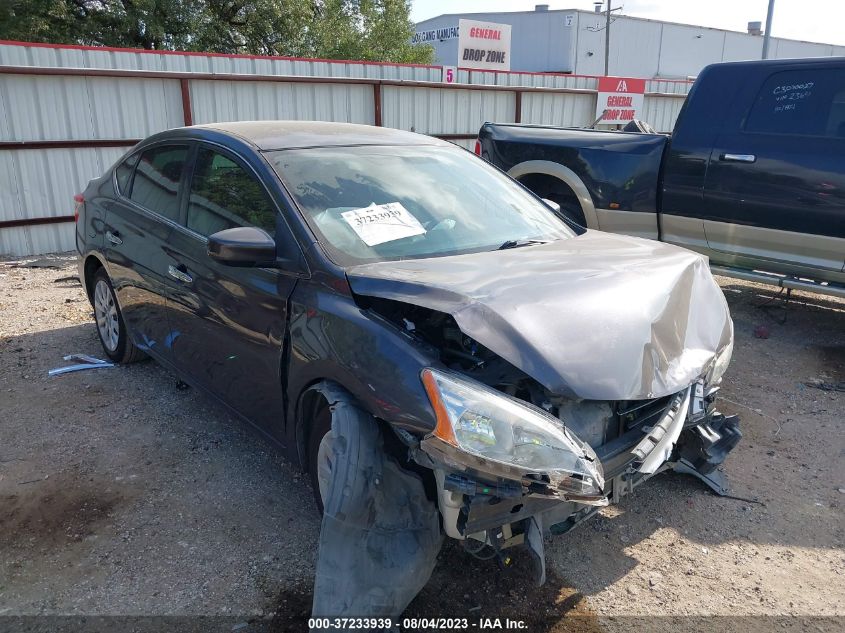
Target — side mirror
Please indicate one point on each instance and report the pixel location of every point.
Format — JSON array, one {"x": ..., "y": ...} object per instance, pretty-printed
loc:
[
  {"x": 551, "y": 203},
  {"x": 242, "y": 246}
]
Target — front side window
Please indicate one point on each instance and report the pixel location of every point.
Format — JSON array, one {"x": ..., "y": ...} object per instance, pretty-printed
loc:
[
  {"x": 156, "y": 183},
  {"x": 372, "y": 203},
  {"x": 224, "y": 196},
  {"x": 807, "y": 102}
]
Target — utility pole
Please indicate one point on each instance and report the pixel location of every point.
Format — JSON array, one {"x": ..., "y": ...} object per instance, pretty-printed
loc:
[
  {"x": 768, "y": 32},
  {"x": 607, "y": 39}
]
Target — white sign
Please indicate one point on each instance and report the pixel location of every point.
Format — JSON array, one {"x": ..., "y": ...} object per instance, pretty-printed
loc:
[
  {"x": 568, "y": 20},
  {"x": 484, "y": 45},
  {"x": 620, "y": 99},
  {"x": 379, "y": 223},
  {"x": 435, "y": 35},
  {"x": 450, "y": 75}
]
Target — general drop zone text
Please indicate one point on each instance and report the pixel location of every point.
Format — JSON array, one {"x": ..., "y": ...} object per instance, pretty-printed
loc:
[{"x": 479, "y": 54}]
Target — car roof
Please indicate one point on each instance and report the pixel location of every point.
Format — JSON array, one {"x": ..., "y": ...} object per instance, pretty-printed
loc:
[{"x": 269, "y": 135}]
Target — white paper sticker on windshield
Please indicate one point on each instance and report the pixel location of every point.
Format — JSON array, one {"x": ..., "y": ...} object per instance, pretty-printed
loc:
[{"x": 379, "y": 223}]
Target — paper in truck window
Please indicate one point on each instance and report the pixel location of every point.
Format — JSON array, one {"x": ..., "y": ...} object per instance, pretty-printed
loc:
[{"x": 379, "y": 223}]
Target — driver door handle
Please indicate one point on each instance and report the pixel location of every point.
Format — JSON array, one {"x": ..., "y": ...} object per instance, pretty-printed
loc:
[
  {"x": 114, "y": 238},
  {"x": 180, "y": 274},
  {"x": 738, "y": 158}
]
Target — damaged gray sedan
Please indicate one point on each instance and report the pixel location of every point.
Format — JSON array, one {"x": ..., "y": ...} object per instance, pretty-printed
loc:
[{"x": 441, "y": 350}]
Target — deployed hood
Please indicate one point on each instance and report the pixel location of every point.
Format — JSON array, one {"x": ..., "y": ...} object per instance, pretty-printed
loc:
[{"x": 598, "y": 316}]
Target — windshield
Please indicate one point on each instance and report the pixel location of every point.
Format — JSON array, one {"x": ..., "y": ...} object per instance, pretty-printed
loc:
[{"x": 372, "y": 203}]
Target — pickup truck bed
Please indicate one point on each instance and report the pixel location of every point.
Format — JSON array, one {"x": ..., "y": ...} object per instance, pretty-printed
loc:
[
  {"x": 605, "y": 180},
  {"x": 753, "y": 175}
]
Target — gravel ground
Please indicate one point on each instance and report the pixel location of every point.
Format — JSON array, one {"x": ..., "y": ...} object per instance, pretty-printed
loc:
[{"x": 123, "y": 493}]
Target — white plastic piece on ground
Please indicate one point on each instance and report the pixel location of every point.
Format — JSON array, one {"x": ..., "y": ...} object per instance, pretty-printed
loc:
[
  {"x": 71, "y": 368},
  {"x": 85, "y": 358}
]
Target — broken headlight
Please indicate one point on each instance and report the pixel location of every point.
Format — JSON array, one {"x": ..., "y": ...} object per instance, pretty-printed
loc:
[
  {"x": 720, "y": 365},
  {"x": 499, "y": 435}
]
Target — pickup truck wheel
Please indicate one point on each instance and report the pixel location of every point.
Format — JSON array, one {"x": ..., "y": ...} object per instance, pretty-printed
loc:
[{"x": 110, "y": 325}]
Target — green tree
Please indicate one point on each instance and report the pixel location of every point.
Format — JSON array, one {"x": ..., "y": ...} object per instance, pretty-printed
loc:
[{"x": 375, "y": 30}]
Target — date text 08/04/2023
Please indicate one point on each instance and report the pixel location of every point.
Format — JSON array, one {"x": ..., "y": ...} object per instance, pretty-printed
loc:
[{"x": 417, "y": 624}]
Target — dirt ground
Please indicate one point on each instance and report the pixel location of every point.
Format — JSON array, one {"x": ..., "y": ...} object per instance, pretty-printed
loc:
[{"x": 123, "y": 493}]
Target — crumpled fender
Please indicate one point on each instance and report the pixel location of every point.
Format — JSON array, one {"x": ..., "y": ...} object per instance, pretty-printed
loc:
[{"x": 380, "y": 535}]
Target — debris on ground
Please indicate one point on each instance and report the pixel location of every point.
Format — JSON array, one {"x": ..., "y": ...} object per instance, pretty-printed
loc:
[
  {"x": 762, "y": 331},
  {"x": 85, "y": 362},
  {"x": 827, "y": 386}
]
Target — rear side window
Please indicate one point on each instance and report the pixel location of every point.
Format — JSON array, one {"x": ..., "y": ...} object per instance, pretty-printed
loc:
[
  {"x": 124, "y": 172},
  {"x": 804, "y": 102},
  {"x": 224, "y": 195},
  {"x": 156, "y": 183}
]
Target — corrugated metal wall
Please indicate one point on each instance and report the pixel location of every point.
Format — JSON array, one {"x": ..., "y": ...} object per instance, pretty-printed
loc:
[
  {"x": 252, "y": 100},
  {"x": 34, "y": 108},
  {"x": 57, "y": 119},
  {"x": 79, "y": 57}
]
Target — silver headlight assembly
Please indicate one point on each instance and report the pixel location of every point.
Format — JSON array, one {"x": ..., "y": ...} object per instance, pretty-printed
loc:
[{"x": 480, "y": 429}]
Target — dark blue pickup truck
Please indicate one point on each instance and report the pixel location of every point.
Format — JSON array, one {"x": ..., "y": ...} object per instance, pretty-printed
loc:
[{"x": 752, "y": 176}]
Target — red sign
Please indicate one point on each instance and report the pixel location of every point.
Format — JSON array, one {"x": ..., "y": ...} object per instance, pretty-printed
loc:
[{"x": 620, "y": 99}]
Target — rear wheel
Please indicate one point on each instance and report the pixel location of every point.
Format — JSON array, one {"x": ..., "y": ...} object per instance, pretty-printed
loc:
[{"x": 110, "y": 326}]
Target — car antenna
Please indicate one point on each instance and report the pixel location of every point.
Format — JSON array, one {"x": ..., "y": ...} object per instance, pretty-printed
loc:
[{"x": 596, "y": 122}]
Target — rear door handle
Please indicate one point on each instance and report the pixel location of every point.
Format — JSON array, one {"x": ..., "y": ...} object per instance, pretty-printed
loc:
[
  {"x": 114, "y": 238},
  {"x": 738, "y": 158},
  {"x": 181, "y": 275}
]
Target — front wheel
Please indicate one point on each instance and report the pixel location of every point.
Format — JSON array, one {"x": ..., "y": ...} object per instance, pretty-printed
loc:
[
  {"x": 110, "y": 325},
  {"x": 321, "y": 455}
]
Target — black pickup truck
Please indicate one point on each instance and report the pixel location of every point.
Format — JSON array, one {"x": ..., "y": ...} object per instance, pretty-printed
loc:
[{"x": 752, "y": 176}]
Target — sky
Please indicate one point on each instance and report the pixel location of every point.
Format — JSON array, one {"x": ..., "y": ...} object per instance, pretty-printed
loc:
[{"x": 815, "y": 21}]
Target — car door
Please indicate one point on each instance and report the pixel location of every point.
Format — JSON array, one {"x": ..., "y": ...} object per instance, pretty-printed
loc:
[
  {"x": 229, "y": 323},
  {"x": 776, "y": 183},
  {"x": 138, "y": 224}
]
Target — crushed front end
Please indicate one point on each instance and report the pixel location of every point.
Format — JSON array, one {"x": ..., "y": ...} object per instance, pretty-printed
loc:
[
  {"x": 562, "y": 376},
  {"x": 508, "y": 470}
]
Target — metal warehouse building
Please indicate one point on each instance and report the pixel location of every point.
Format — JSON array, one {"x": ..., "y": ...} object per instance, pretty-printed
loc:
[{"x": 572, "y": 41}]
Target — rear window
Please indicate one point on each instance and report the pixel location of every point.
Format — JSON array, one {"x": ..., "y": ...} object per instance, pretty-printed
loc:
[
  {"x": 124, "y": 172},
  {"x": 156, "y": 183},
  {"x": 807, "y": 102}
]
